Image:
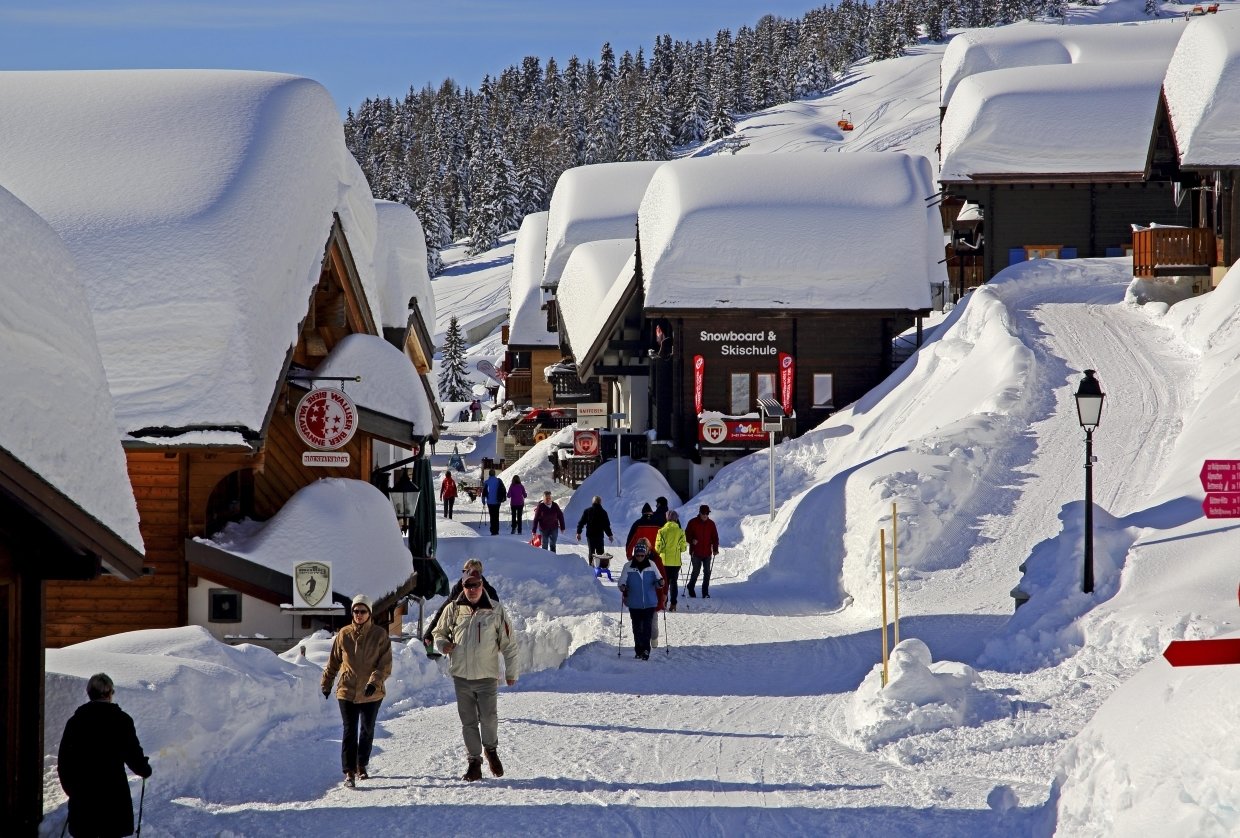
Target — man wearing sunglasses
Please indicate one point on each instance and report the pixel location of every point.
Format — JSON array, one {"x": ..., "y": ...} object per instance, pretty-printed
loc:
[{"x": 474, "y": 631}]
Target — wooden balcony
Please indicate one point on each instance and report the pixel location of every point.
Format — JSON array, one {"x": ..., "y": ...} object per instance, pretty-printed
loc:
[
  {"x": 1173, "y": 251},
  {"x": 566, "y": 388},
  {"x": 517, "y": 386}
]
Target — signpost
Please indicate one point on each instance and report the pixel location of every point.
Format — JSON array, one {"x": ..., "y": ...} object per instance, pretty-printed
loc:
[
  {"x": 1221, "y": 480},
  {"x": 618, "y": 417}
]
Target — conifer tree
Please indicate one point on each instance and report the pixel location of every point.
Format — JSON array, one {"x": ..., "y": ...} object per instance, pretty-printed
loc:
[{"x": 453, "y": 383}]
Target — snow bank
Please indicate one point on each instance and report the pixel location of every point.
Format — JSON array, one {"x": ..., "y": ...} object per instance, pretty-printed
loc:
[
  {"x": 1200, "y": 90},
  {"x": 57, "y": 417},
  {"x": 642, "y": 483},
  {"x": 390, "y": 384}
]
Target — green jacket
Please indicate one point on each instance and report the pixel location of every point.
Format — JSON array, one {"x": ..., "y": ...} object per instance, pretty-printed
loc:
[{"x": 670, "y": 543}]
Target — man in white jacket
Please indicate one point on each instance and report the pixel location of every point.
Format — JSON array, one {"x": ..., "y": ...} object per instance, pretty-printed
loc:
[{"x": 473, "y": 632}]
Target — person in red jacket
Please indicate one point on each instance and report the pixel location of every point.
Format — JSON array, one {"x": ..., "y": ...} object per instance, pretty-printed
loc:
[
  {"x": 703, "y": 540},
  {"x": 447, "y": 493}
]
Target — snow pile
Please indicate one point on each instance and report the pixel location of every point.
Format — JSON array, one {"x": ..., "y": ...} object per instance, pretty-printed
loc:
[
  {"x": 591, "y": 203},
  {"x": 920, "y": 697},
  {"x": 346, "y": 522},
  {"x": 791, "y": 231},
  {"x": 1015, "y": 122},
  {"x": 57, "y": 418},
  {"x": 526, "y": 319},
  {"x": 196, "y": 204},
  {"x": 1200, "y": 89},
  {"x": 594, "y": 279},
  {"x": 642, "y": 483},
  {"x": 400, "y": 265},
  {"x": 390, "y": 384}
]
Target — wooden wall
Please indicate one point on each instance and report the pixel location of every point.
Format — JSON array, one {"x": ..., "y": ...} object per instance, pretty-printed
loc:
[
  {"x": 78, "y": 611},
  {"x": 283, "y": 474}
]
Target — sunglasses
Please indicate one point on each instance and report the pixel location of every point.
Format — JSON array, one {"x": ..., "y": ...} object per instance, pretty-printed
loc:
[
  {"x": 474, "y": 586},
  {"x": 360, "y": 611}
]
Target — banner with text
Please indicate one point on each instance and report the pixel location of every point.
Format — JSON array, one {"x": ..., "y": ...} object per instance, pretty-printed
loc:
[
  {"x": 787, "y": 374},
  {"x": 699, "y": 373}
]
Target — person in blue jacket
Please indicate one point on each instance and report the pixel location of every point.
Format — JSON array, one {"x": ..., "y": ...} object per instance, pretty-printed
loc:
[
  {"x": 494, "y": 493},
  {"x": 639, "y": 585}
]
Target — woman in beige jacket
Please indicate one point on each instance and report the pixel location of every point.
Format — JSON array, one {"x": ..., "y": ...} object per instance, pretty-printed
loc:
[{"x": 362, "y": 654}]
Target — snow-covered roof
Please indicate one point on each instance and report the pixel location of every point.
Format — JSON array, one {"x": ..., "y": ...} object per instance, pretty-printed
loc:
[
  {"x": 390, "y": 384},
  {"x": 792, "y": 231},
  {"x": 1201, "y": 84},
  {"x": 400, "y": 265},
  {"x": 1036, "y": 44},
  {"x": 346, "y": 522},
  {"x": 593, "y": 281},
  {"x": 527, "y": 323},
  {"x": 56, "y": 416},
  {"x": 196, "y": 204},
  {"x": 1065, "y": 119},
  {"x": 592, "y": 203}
]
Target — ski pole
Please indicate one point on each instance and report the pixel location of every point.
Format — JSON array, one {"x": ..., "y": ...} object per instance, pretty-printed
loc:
[
  {"x": 667, "y": 639},
  {"x": 141, "y": 803},
  {"x": 620, "y": 623}
]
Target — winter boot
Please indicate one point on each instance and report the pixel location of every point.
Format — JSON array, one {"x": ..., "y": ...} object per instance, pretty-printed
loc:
[
  {"x": 363, "y": 774},
  {"x": 349, "y": 781},
  {"x": 691, "y": 594},
  {"x": 474, "y": 772},
  {"x": 497, "y": 767}
]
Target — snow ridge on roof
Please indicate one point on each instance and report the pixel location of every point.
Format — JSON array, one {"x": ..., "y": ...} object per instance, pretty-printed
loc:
[
  {"x": 591, "y": 203},
  {"x": 390, "y": 384},
  {"x": 1201, "y": 84},
  {"x": 595, "y": 276},
  {"x": 527, "y": 324},
  {"x": 196, "y": 204},
  {"x": 1036, "y": 44},
  {"x": 400, "y": 265},
  {"x": 56, "y": 416},
  {"x": 792, "y": 231},
  {"x": 1066, "y": 119}
]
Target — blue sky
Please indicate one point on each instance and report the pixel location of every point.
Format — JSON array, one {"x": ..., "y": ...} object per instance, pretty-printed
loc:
[{"x": 355, "y": 49}]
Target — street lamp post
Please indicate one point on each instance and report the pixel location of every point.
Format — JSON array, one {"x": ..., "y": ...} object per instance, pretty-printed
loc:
[{"x": 1089, "y": 398}]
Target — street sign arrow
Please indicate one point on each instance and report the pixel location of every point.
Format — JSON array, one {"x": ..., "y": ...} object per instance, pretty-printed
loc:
[
  {"x": 1220, "y": 475},
  {"x": 1202, "y": 652},
  {"x": 1221, "y": 505}
]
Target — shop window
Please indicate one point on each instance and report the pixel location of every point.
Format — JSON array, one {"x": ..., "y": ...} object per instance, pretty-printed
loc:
[
  {"x": 224, "y": 606},
  {"x": 740, "y": 393},
  {"x": 766, "y": 385},
  {"x": 824, "y": 390}
]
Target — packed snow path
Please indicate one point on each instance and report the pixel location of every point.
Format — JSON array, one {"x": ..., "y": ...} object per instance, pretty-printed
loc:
[{"x": 738, "y": 729}]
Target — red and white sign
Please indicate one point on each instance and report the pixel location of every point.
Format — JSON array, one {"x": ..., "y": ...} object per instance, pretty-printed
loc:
[
  {"x": 1220, "y": 475},
  {"x": 719, "y": 431},
  {"x": 585, "y": 443},
  {"x": 699, "y": 374},
  {"x": 1221, "y": 505},
  {"x": 326, "y": 418},
  {"x": 787, "y": 374}
]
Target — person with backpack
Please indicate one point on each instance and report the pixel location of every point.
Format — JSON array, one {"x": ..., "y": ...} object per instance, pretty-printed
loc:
[
  {"x": 703, "y": 538},
  {"x": 447, "y": 494},
  {"x": 669, "y": 544},
  {"x": 98, "y": 743},
  {"x": 596, "y": 523},
  {"x": 471, "y": 566},
  {"x": 548, "y": 522},
  {"x": 493, "y": 495},
  {"x": 639, "y": 586},
  {"x": 516, "y": 502},
  {"x": 646, "y": 520}
]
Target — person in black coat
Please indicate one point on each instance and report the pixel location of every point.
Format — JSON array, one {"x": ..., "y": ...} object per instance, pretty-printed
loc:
[
  {"x": 596, "y": 523},
  {"x": 660, "y": 512},
  {"x": 98, "y": 742}
]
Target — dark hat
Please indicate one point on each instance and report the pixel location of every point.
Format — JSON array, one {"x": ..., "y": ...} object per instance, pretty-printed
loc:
[
  {"x": 703, "y": 508},
  {"x": 471, "y": 574},
  {"x": 646, "y": 508}
]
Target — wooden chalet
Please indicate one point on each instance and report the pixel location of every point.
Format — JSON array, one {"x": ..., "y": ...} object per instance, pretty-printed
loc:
[
  {"x": 1061, "y": 164},
  {"x": 238, "y": 277},
  {"x": 66, "y": 508}
]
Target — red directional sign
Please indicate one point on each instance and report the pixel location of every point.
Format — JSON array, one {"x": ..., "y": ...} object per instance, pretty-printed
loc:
[
  {"x": 1221, "y": 505},
  {"x": 1220, "y": 475},
  {"x": 1202, "y": 652}
]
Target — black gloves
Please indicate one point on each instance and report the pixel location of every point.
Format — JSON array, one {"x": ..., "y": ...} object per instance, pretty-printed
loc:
[
  {"x": 370, "y": 690},
  {"x": 327, "y": 692}
]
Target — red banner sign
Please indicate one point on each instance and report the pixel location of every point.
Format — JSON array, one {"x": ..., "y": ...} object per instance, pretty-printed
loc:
[
  {"x": 787, "y": 373},
  {"x": 1221, "y": 505},
  {"x": 1202, "y": 652},
  {"x": 699, "y": 374},
  {"x": 719, "y": 431},
  {"x": 1220, "y": 476}
]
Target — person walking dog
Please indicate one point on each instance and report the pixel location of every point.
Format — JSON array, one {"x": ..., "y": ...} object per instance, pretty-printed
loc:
[{"x": 362, "y": 654}]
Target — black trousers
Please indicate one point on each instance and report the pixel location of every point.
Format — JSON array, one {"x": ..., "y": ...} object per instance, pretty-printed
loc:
[
  {"x": 642, "y": 619},
  {"x": 448, "y": 503},
  {"x": 673, "y": 580},
  {"x": 355, "y": 744},
  {"x": 704, "y": 566},
  {"x": 517, "y": 513},
  {"x": 493, "y": 508}
]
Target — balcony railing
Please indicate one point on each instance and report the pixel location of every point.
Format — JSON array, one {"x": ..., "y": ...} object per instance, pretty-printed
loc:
[
  {"x": 1173, "y": 251},
  {"x": 567, "y": 388},
  {"x": 517, "y": 386}
]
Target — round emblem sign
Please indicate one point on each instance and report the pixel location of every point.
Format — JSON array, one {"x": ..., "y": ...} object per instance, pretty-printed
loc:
[
  {"x": 326, "y": 418},
  {"x": 714, "y": 431}
]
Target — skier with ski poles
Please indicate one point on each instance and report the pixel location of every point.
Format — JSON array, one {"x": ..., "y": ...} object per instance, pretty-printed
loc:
[{"x": 639, "y": 586}]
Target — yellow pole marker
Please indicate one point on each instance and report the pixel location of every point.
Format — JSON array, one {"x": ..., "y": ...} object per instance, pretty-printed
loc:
[
  {"x": 882, "y": 552},
  {"x": 895, "y": 567}
]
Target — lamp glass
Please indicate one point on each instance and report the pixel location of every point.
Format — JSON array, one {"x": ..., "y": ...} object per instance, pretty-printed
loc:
[
  {"x": 1089, "y": 409},
  {"x": 404, "y": 496}
]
